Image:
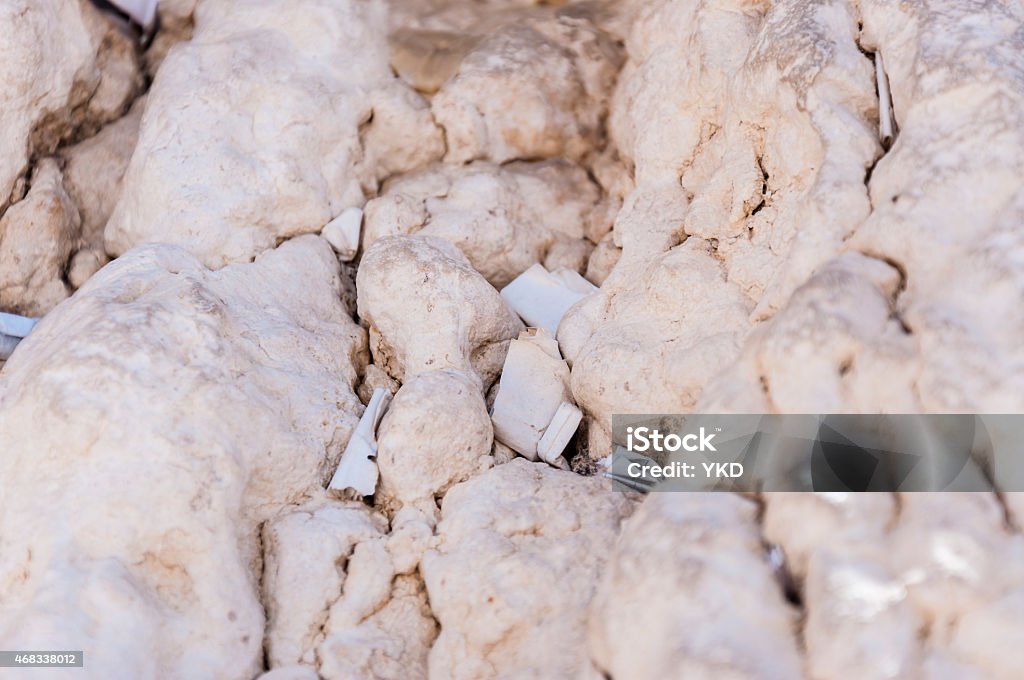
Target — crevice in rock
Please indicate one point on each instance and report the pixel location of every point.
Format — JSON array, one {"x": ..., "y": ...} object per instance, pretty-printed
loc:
[
  {"x": 324, "y": 617},
  {"x": 897, "y": 511},
  {"x": 261, "y": 546},
  {"x": 1009, "y": 520},
  {"x": 790, "y": 587}
]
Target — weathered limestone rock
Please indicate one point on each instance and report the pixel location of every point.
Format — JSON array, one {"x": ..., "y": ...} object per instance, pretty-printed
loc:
[
  {"x": 837, "y": 346},
  {"x": 334, "y": 602},
  {"x": 503, "y": 218},
  {"x": 63, "y": 67},
  {"x": 519, "y": 552},
  {"x": 535, "y": 88},
  {"x": 906, "y": 333},
  {"x": 709, "y": 104},
  {"x": 305, "y": 557},
  {"x": 176, "y": 20},
  {"x": 225, "y": 396},
  {"x": 37, "y": 236},
  {"x": 387, "y": 638},
  {"x": 652, "y": 337},
  {"x": 688, "y": 592},
  {"x": 252, "y": 129},
  {"x": 757, "y": 249},
  {"x": 447, "y": 316},
  {"x": 436, "y": 433},
  {"x": 918, "y": 592},
  {"x": 948, "y": 201}
]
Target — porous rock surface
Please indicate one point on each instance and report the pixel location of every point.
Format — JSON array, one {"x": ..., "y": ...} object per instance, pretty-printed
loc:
[
  {"x": 129, "y": 404},
  {"x": 252, "y": 130},
  {"x": 714, "y": 166},
  {"x": 64, "y": 70},
  {"x": 518, "y": 555},
  {"x": 503, "y": 218}
]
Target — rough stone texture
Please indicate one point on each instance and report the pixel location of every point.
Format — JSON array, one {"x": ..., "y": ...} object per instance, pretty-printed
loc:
[
  {"x": 503, "y": 218},
  {"x": 532, "y": 89},
  {"x": 690, "y": 576},
  {"x": 388, "y": 638},
  {"x": 176, "y": 19},
  {"x": 449, "y": 316},
  {"x": 923, "y": 585},
  {"x": 419, "y": 453},
  {"x": 757, "y": 251},
  {"x": 306, "y": 554},
  {"x": 519, "y": 552},
  {"x": 836, "y": 347},
  {"x": 37, "y": 236},
  {"x": 252, "y": 129},
  {"x": 638, "y": 347},
  {"x": 225, "y": 396},
  {"x": 63, "y": 69},
  {"x": 333, "y": 599}
]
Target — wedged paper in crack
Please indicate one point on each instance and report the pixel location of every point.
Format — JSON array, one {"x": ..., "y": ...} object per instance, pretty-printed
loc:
[
  {"x": 542, "y": 298},
  {"x": 534, "y": 384},
  {"x": 357, "y": 470},
  {"x": 343, "y": 233},
  {"x": 225, "y": 396}
]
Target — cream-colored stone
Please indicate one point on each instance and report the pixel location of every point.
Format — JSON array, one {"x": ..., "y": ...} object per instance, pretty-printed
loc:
[
  {"x": 390, "y": 643},
  {"x": 334, "y": 601},
  {"x": 690, "y": 576},
  {"x": 435, "y": 434},
  {"x": 192, "y": 406},
  {"x": 536, "y": 88},
  {"x": 37, "y": 237},
  {"x": 569, "y": 254},
  {"x": 306, "y": 555},
  {"x": 252, "y": 130},
  {"x": 83, "y": 265},
  {"x": 375, "y": 377},
  {"x": 94, "y": 170},
  {"x": 447, "y": 316},
  {"x": 63, "y": 69},
  {"x": 503, "y": 218},
  {"x": 520, "y": 551},
  {"x": 602, "y": 260},
  {"x": 652, "y": 337}
]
